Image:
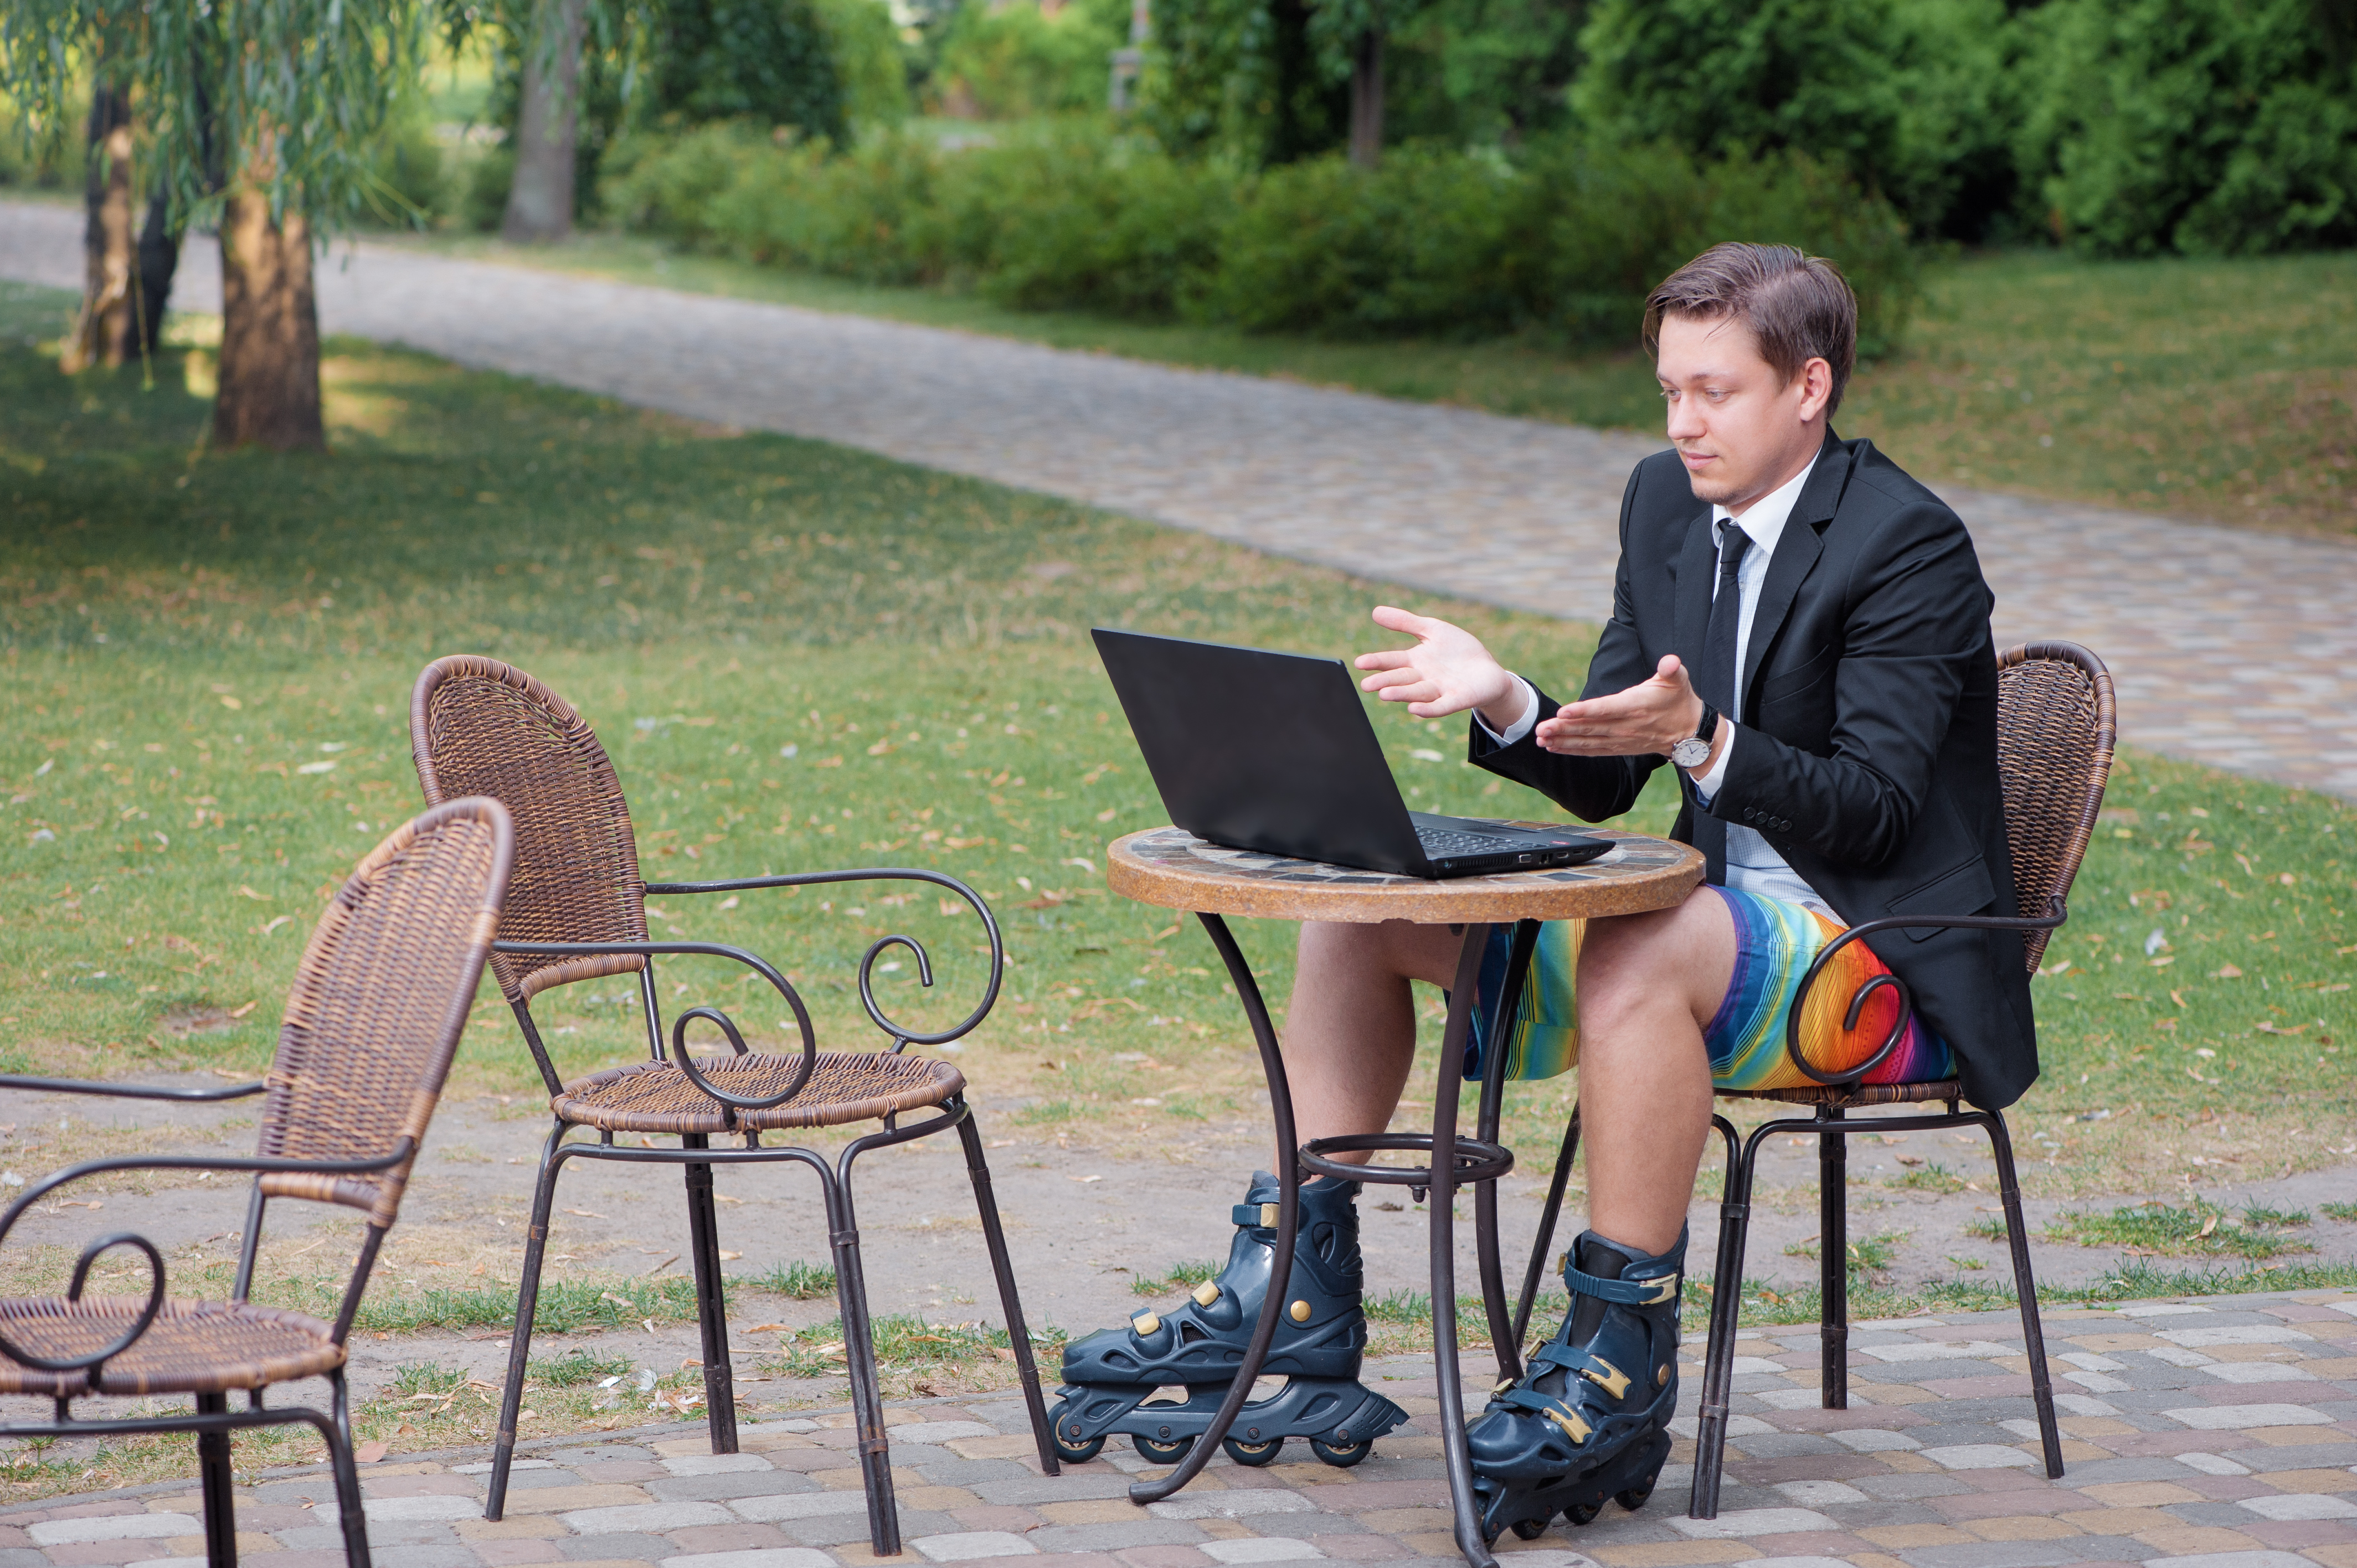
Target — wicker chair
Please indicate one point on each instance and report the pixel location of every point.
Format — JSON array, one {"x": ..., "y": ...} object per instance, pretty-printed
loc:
[
  {"x": 2055, "y": 734},
  {"x": 576, "y": 910},
  {"x": 372, "y": 1022}
]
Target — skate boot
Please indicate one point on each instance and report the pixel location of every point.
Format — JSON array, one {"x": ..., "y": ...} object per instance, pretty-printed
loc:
[
  {"x": 1131, "y": 1379},
  {"x": 1590, "y": 1419}
]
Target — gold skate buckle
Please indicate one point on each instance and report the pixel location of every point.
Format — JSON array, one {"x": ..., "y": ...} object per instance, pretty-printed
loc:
[
  {"x": 1145, "y": 1322},
  {"x": 1206, "y": 1293},
  {"x": 1665, "y": 1290},
  {"x": 1616, "y": 1383},
  {"x": 1574, "y": 1428}
]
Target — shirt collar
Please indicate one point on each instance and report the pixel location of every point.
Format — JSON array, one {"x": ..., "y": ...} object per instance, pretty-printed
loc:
[{"x": 1765, "y": 522}]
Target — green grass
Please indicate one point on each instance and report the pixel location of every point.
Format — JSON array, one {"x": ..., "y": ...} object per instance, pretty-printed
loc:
[
  {"x": 797, "y": 1280},
  {"x": 564, "y": 1306},
  {"x": 1934, "y": 1177},
  {"x": 903, "y": 1343},
  {"x": 184, "y": 635},
  {"x": 2197, "y": 1227},
  {"x": 2344, "y": 1212},
  {"x": 2217, "y": 389},
  {"x": 578, "y": 1368},
  {"x": 1184, "y": 1276}
]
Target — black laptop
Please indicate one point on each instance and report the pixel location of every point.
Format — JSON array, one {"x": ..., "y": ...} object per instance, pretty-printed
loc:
[{"x": 1273, "y": 752}]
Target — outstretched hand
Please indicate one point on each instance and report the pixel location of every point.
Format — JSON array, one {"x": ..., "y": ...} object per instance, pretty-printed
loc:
[
  {"x": 1445, "y": 673},
  {"x": 1648, "y": 718}
]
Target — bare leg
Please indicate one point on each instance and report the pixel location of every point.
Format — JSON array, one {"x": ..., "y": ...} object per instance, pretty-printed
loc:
[
  {"x": 1350, "y": 1032},
  {"x": 1648, "y": 987}
]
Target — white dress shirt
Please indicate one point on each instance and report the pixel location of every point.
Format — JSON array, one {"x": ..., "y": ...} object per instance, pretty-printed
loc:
[{"x": 1752, "y": 866}]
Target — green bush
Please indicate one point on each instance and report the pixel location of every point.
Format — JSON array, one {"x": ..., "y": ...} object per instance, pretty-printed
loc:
[
  {"x": 408, "y": 183},
  {"x": 1011, "y": 61},
  {"x": 1563, "y": 242},
  {"x": 869, "y": 61},
  {"x": 483, "y": 199},
  {"x": 2197, "y": 125},
  {"x": 768, "y": 61}
]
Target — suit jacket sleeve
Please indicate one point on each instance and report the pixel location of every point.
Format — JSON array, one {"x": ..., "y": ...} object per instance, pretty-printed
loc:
[
  {"x": 1915, "y": 618},
  {"x": 1590, "y": 788}
]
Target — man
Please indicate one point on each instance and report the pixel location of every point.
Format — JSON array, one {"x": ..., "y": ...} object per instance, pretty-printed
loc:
[{"x": 1802, "y": 629}]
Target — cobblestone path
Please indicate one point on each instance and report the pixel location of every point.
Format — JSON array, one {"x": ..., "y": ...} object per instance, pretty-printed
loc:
[
  {"x": 2234, "y": 648},
  {"x": 2202, "y": 1433}
]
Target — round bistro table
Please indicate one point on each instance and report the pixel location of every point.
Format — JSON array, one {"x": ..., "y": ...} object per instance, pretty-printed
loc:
[{"x": 1174, "y": 869}]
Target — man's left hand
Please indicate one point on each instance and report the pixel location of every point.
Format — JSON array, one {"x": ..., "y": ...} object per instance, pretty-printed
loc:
[{"x": 1648, "y": 718}]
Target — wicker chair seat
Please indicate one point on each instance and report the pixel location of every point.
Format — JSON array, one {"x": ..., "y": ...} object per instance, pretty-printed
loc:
[
  {"x": 1848, "y": 1095},
  {"x": 844, "y": 1086},
  {"x": 192, "y": 1348}
]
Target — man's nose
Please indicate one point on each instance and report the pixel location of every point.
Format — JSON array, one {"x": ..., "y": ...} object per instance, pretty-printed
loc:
[{"x": 1685, "y": 421}]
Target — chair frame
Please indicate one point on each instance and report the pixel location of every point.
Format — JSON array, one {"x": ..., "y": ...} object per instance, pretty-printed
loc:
[
  {"x": 213, "y": 1421},
  {"x": 699, "y": 1158},
  {"x": 1839, "y": 1094}
]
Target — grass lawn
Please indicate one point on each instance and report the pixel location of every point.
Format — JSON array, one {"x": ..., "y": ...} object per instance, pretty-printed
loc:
[
  {"x": 804, "y": 657},
  {"x": 2212, "y": 388}
]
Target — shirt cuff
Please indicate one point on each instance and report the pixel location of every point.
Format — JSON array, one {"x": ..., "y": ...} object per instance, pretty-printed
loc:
[
  {"x": 1521, "y": 726},
  {"x": 1706, "y": 782}
]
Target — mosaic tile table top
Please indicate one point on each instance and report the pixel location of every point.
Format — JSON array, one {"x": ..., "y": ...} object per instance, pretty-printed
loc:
[
  {"x": 2218, "y": 1433},
  {"x": 1174, "y": 869}
]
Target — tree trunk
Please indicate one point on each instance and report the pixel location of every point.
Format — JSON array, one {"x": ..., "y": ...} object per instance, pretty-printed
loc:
[
  {"x": 540, "y": 197},
  {"x": 270, "y": 332},
  {"x": 1367, "y": 100},
  {"x": 107, "y": 331},
  {"x": 159, "y": 260}
]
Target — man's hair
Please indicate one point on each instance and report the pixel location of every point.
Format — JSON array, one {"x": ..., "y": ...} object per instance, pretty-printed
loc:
[{"x": 1799, "y": 307}]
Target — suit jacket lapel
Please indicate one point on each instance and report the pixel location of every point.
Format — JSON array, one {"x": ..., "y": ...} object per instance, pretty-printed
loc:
[
  {"x": 1796, "y": 553},
  {"x": 1697, "y": 570}
]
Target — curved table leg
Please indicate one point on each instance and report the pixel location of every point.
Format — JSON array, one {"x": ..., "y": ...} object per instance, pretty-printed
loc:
[
  {"x": 1446, "y": 1371},
  {"x": 1288, "y": 1216}
]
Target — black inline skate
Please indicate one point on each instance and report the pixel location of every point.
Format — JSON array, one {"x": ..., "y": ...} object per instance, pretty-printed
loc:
[
  {"x": 1125, "y": 1380},
  {"x": 1590, "y": 1419}
]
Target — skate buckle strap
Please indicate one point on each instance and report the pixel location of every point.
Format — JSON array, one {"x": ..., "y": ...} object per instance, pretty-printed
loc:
[
  {"x": 1261, "y": 1215},
  {"x": 1554, "y": 1409},
  {"x": 1582, "y": 1363},
  {"x": 1659, "y": 1291}
]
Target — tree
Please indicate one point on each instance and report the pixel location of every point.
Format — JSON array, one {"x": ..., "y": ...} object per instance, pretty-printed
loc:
[
  {"x": 541, "y": 194},
  {"x": 259, "y": 116}
]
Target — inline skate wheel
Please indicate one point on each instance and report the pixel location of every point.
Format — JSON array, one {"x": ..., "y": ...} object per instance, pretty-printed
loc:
[
  {"x": 1342, "y": 1455},
  {"x": 1069, "y": 1450},
  {"x": 1530, "y": 1529},
  {"x": 1254, "y": 1454},
  {"x": 1169, "y": 1452},
  {"x": 1583, "y": 1513},
  {"x": 1634, "y": 1497}
]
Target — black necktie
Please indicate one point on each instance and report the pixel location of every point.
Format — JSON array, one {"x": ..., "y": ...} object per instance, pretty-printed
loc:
[{"x": 1716, "y": 680}]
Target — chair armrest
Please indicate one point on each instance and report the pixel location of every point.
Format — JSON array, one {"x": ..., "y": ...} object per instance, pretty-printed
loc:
[
  {"x": 129, "y": 1091},
  {"x": 260, "y": 1164},
  {"x": 901, "y": 1037},
  {"x": 680, "y": 1059},
  {"x": 2057, "y": 912}
]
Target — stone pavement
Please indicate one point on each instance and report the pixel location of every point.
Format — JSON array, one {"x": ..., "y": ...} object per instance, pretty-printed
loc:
[
  {"x": 2207, "y": 1433},
  {"x": 2231, "y": 646}
]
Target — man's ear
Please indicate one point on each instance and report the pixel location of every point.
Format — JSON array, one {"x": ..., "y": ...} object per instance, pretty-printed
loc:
[{"x": 1816, "y": 389}]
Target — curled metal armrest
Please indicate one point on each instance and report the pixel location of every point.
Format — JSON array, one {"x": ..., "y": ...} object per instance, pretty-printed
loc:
[
  {"x": 901, "y": 1037},
  {"x": 733, "y": 1102},
  {"x": 260, "y": 1164},
  {"x": 129, "y": 1091},
  {"x": 2057, "y": 912}
]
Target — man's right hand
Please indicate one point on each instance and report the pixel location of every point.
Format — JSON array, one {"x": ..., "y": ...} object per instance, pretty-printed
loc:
[{"x": 1445, "y": 673}]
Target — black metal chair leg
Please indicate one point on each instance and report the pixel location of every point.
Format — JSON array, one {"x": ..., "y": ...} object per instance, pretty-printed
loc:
[
  {"x": 859, "y": 1351},
  {"x": 1447, "y": 1375},
  {"x": 1543, "y": 1243},
  {"x": 711, "y": 1303},
  {"x": 2025, "y": 1286},
  {"x": 1832, "y": 1262},
  {"x": 1018, "y": 1335},
  {"x": 1726, "y": 1319},
  {"x": 1505, "y": 1342},
  {"x": 215, "y": 1485},
  {"x": 350, "y": 1511},
  {"x": 535, "y": 1244}
]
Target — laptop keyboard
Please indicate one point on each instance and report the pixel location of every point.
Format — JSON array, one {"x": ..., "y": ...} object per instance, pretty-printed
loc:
[{"x": 1440, "y": 842}]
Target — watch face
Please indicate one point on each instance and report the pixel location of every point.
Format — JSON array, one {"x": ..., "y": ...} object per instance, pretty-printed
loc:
[{"x": 1690, "y": 753}]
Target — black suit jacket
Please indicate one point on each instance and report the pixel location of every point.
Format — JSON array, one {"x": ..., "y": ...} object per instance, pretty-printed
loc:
[{"x": 1867, "y": 749}]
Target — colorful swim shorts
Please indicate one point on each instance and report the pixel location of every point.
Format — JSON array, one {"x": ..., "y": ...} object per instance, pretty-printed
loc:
[{"x": 1775, "y": 943}]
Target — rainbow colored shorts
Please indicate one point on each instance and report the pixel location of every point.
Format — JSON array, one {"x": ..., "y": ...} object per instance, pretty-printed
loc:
[{"x": 1775, "y": 943}]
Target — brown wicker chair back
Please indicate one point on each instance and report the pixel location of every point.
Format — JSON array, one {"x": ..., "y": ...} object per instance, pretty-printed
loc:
[
  {"x": 480, "y": 727},
  {"x": 2055, "y": 730},
  {"x": 380, "y": 1000}
]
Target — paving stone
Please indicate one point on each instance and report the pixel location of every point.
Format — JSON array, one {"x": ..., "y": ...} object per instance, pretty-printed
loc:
[
  {"x": 1114, "y": 1536},
  {"x": 114, "y": 1527},
  {"x": 649, "y": 1517},
  {"x": 619, "y": 1546},
  {"x": 1257, "y": 1548},
  {"x": 764, "y": 1557},
  {"x": 802, "y": 1505}
]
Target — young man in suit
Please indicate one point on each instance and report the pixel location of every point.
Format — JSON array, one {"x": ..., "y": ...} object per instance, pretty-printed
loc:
[{"x": 1801, "y": 630}]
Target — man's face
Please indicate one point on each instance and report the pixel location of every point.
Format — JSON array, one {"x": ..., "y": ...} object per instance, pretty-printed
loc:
[{"x": 1741, "y": 429}]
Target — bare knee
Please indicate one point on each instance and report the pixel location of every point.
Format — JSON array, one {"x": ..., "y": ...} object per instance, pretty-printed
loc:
[
  {"x": 1634, "y": 965},
  {"x": 1388, "y": 950}
]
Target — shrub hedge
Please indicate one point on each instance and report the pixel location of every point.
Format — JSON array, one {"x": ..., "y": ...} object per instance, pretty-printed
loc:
[{"x": 1561, "y": 242}]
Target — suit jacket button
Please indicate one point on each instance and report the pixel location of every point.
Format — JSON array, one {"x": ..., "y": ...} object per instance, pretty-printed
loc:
[{"x": 1783, "y": 826}]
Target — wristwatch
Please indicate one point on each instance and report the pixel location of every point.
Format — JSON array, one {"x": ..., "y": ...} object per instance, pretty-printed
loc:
[{"x": 1695, "y": 750}]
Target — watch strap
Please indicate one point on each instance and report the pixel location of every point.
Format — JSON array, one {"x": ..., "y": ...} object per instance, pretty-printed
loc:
[{"x": 1707, "y": 731}]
